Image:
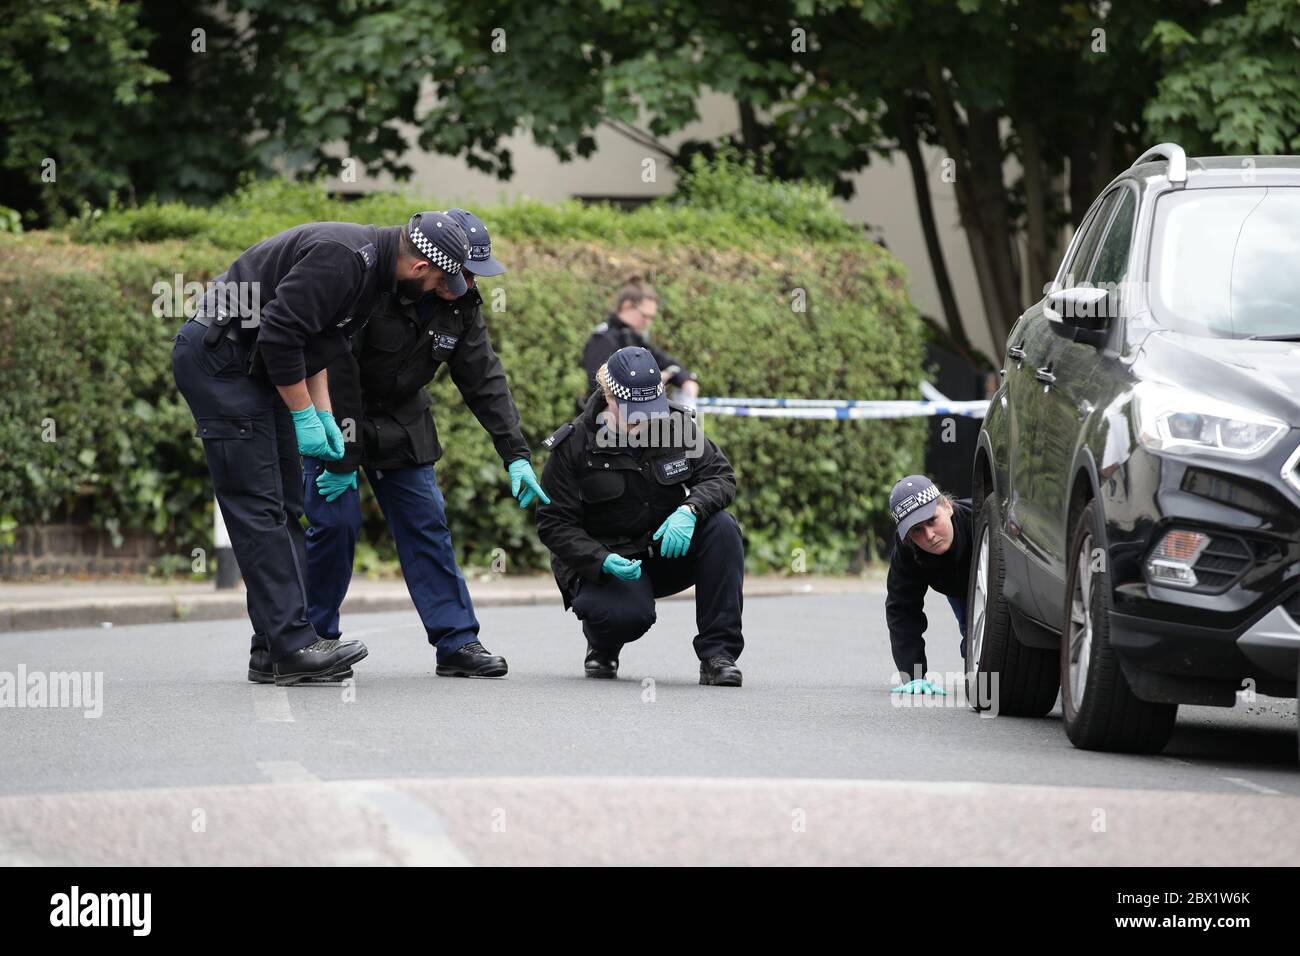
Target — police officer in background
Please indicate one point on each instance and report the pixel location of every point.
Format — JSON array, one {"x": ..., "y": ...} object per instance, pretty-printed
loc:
[
  {"x": 934, "y": 551},
  {"x": 259, "y": 393},
  {"x": 636, "y": 513},
  {"x": 381, "y": 385},
  {"x": 635, "y": 309}
]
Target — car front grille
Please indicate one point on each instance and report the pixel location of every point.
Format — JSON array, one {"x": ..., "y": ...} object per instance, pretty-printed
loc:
[{"x": 1221, "y": 563}]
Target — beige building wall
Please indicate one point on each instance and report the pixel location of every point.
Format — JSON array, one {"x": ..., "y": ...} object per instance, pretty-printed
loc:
[{"x": 884, "y": 198}]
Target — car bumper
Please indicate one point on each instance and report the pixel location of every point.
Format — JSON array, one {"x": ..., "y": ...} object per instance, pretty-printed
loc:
[{"x": 1202, "y": 645}]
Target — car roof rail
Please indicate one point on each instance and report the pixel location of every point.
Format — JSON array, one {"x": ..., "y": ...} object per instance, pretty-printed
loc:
[{"x": 1172, "y": 152}]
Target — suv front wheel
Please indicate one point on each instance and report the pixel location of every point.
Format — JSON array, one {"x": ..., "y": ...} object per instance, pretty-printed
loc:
[{"x": 1099, "y": 709}]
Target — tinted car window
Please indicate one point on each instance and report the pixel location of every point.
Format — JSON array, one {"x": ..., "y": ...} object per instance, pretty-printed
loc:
[
  {"x": 1092, "y": 233},
  {"x": 1224, "y": 261},
  {"x": 1112, "y": 262}
]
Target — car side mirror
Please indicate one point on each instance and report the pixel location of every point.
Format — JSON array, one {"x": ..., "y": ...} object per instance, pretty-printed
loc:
[{"x": 1081, "y": 314}]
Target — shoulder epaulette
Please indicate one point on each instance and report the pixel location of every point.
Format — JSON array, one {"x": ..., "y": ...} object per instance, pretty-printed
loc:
[
  {"x": 368, "y": 256},
  {"x": 561, "y": 433}
]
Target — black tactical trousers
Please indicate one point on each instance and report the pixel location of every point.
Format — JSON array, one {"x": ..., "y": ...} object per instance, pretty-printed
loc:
[
  {"x": 252, "y": 452},
  {"x": 614, "y": 612}
]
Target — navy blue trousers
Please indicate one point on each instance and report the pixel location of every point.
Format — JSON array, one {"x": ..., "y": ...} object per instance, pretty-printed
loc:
[
  {"x": 252, "y": 452},
  {"x": 417, "y": 519}
]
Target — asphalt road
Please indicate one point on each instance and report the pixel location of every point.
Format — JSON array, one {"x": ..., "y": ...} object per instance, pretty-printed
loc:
[{"x": 812, "y": 761}]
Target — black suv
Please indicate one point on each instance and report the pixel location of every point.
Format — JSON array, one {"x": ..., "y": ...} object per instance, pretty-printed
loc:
[{"x": 1136, "y": 489}]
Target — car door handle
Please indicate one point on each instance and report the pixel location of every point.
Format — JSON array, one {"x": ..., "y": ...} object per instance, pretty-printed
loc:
[
  {"x": 1045, "y": 375},
  {"x": 1017, "y": 353}
]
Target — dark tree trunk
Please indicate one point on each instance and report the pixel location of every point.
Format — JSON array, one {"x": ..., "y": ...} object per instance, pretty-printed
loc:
[{"x": 910, "y": 141}]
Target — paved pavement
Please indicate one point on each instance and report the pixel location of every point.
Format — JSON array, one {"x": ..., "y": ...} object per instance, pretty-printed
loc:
[{"x": 812, "y": 761}]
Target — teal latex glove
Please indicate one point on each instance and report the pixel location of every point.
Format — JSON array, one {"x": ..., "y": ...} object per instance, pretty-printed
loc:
[
  {"x": 333, "y": 483},
  {"x": 676, "y": 532},
  {"x": 312, "y": 439},
  {"x": 622, "y": 568},
  {"x": 332, "y": 433},
  {"x": 522, "y": 477},
  {"x": 919, "y": 687}
]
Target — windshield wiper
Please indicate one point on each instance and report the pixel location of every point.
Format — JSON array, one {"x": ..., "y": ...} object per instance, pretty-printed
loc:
[{"x": 1284, "y": 337}]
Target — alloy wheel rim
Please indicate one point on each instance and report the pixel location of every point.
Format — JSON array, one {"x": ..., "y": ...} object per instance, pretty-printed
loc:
[
  {"x": 981, "y": 601},
  {"x": 1080, "y": 646}
]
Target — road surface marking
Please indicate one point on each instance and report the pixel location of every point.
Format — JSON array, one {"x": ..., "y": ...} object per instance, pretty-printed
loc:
[
  {"x": 1243, "y": 782},
  {"x": 272, "y": 704},
  {"x": 286, "y": 771},
  {"x": 414, "y": 829}
]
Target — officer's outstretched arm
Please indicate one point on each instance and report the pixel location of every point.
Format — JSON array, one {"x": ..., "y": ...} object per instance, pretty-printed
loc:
[
  {"x": 905, "y": 613},
  {"x": 477, "y": 372}
]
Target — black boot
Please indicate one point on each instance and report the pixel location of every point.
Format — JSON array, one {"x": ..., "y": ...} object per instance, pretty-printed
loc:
[
  {"x": 259, "y": 670},
  {"x": 472, "y": 660},
  {"x": 720, "y": 672},
  {"x": 318, "y": 662},
  {"x": 601, "y": 664}
]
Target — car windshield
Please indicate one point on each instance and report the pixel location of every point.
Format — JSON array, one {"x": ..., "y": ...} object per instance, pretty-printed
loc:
[{"x": 1226, "y": 262}]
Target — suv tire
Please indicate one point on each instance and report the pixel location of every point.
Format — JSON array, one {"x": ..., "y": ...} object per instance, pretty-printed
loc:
[{"x": 1099, "y": 710}]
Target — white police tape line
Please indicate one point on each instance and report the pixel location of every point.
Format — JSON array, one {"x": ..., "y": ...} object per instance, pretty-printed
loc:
[{"x": 836, "y": 408}]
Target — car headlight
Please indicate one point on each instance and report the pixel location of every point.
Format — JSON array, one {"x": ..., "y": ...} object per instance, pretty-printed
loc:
[{"x": 1176, "y": 420}]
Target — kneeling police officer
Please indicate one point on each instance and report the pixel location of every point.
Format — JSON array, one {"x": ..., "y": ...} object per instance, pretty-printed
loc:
[
  {"x": 934, "y": 551},
  {"x": 637, "y": 513}
]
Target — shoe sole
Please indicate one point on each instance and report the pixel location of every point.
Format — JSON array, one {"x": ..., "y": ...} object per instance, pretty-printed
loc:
[
  {"x": 602, "y": 675},
  {"x": 442, "y": 671},
  {"x": 316, "y": 677},
  {"x": 727, "y": 682},
  {"x": 333, "y": 677}
]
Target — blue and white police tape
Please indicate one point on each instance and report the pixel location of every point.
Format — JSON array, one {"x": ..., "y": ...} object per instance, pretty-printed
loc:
[{"x": 828, "y": 408}]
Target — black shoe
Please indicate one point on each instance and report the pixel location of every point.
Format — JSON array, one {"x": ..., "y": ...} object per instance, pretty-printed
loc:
[
  {"x": 601, "y": 664},
  {"x": 323, "y": 661},
  {"x": 259, "y": 670},
  {"x": 720, "y": 672},
  {"x": 472, "y": 660}
]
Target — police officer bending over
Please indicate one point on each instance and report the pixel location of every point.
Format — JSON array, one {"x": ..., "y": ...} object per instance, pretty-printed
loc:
[
  {"x": 636, "y": 513},
  {"x": 934, "y": 551},
  {"x": 260, "y": 395},
  {"x": 635, "y": 308},
  {"x": 381, "y": 385}
]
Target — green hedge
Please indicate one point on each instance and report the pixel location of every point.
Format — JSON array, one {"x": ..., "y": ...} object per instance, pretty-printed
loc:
[{"x": 80, "y": 346}]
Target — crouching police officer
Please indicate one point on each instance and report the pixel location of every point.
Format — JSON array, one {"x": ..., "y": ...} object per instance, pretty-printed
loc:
[
  {"x": 934, "y": 551},
  {"x": 260, "y": 396},
  {"x": 381, "y": 385},
  {"x": 637, "y": 512}
]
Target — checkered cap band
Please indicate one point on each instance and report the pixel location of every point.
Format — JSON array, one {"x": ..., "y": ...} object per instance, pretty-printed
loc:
[
  {"x": 439, "y": 258},
  {"x": 631, "y": 393},
  {"x": 912, "y": 502}
]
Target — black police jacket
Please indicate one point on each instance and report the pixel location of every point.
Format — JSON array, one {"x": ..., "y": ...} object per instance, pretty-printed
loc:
[
  {"x": 316, "y": 285},
  {"x": 611, "y": 500},
  {"x": 380, "y": 383},
  {"x": 911, "y": 572},
  {"x": 614, "y": 334}
]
